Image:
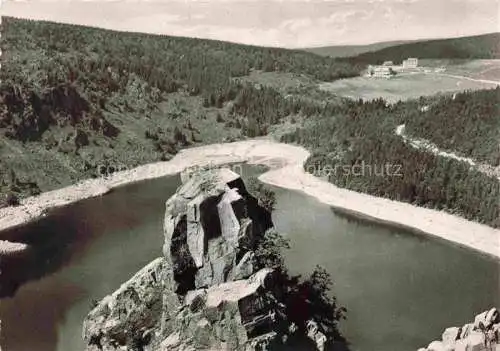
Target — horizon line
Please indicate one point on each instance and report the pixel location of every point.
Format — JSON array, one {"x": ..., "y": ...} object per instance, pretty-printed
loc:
[{"x": 326, "y": 45}]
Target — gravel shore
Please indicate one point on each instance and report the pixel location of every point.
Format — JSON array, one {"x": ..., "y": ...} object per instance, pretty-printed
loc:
[{"x": 286, "y": 163}]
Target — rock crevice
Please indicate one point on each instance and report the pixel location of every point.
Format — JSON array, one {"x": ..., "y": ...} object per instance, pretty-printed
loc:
[{"x": 204, "y": 293}]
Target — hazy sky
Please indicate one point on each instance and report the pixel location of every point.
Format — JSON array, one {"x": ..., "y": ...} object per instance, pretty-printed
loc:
[{"x": 287, "y": 23}]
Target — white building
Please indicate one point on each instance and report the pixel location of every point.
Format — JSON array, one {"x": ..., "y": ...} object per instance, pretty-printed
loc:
[
  {"x": 410, "y": 63},
  {"x": 379, "y": 71}
]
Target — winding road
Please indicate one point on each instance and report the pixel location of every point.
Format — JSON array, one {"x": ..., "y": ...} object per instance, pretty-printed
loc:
[{"x": 433, "y": 148}]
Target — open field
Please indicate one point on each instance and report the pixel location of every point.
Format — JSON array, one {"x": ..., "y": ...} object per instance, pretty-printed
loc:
[
  {"x": 476, "y": 69},
  {"x": 404, "y": 87}
]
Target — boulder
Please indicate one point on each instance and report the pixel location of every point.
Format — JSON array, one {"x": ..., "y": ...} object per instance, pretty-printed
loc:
[
  {"x": 466, "y": 330},
  {"x": 209, "y": 227},
  {"x": 461, "y": 345},
  {"x": 450, "y": 335},
  {"x": 230, "y": 225},
  {"x": 135, "y": 306},
  {"x": 475, "y": 341},
  {"x": 214, "y": 317},
  {"x": 235, "y": 291},
  {"x": 244, "y": 268},
  {"x": 195, "y": 235},
  {"x": 437, "y": 346},
  {"x": 477, "y": 336},
  {"x": 204, "y": 293}
]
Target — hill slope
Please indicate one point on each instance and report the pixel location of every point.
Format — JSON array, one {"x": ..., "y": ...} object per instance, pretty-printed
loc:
[
  {"x": 353, "y": 50},
  {"x": 79, "y": 101},
  {"x": 358, "y": 149},
  {"x": 486, "y": 46},
  {"x": 477, "y": 114}
]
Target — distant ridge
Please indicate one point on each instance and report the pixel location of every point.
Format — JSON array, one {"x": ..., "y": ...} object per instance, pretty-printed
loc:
[
  {"x": 353, "y": 50},
  {"x": 485, "y": 46}
]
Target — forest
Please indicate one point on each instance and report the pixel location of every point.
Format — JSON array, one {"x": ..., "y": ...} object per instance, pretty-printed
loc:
[
  {"x": 484, "y": 46},
  {"x": 77, "y": 100},
  {"x": 361, "y": 134},
  {"x": 467, "y": 123}
]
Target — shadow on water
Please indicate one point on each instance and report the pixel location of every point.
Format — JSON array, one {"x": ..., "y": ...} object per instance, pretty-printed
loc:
[
  {"x": 65, "y": 233},
  {"x": 412, "y": 233},
  {"x": 81, "y": 253},
  {"x": 53, "y": 241},
  {"x": 31, "y": 322},
  {"x": 400, "y": 290},
  {"x": 78, "y": 253}
]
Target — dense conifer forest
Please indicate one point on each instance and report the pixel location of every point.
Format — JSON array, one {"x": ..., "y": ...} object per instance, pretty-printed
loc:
[
  {"x": 81, "y": 102},
  {"x": 467, "y": 123},
  {"x": 78, "y": 100},
  {"x": 355, "y": 146},
  {"x": 484, "y": 46}
]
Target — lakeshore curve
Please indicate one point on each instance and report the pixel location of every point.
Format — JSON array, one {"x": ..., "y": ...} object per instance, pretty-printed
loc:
[
  {"x": 286, "y": 170},
  {"x": 8, "y": 248}
]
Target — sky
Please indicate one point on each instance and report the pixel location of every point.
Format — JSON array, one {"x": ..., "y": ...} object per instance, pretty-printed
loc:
[{"x": 283, "y": 23}]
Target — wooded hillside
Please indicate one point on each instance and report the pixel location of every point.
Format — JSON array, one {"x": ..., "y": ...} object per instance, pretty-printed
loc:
[
  {"x": 76, "y": 100},
  {"x": 486, "y": 46},
  {"x": 356, "y": 147},
  {"x": 468, "y": 124},
  {"x": 82, "y": 102}
]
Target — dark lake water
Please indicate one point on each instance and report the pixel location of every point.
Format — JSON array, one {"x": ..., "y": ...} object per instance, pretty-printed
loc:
[{"x": 400, "y": 290}]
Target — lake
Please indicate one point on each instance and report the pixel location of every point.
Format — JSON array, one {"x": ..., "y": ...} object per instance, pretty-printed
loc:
[{"x": 401, "y": 290}]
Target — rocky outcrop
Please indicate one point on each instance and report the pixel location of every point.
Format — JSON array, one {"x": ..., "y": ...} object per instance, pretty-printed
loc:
[
  {"x": 481, "y": 335},
  {"x": 204, "y": 293},
  {"x": 8, "y": 248},
  {"x": 130, "y": 312},
  {"x": 210, "y": 224}
]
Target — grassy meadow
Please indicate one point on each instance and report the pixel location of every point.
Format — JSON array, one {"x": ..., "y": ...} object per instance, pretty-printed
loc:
[{"x": 403, "y": 87}]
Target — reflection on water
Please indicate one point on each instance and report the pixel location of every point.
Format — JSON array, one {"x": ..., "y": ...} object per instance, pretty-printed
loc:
[
  {"x": 87, "y": 250},
  {"x": 401, "y": 290}
]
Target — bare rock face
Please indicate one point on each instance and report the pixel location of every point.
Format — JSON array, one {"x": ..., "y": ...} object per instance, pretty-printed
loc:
[
  {"x": 204, "y": 293},
  {"x": 128, "y": 313},
  {"x": 481, "y": 335},
  {"x": 210, "y": 224}
]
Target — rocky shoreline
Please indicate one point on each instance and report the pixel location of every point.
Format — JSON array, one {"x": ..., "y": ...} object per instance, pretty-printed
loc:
[
  {"x": 481, "y": 335},
  {"x": 207, "y": 292},
  {"x": 286, "y": 163},
  {"x": 8, "y": 248}
]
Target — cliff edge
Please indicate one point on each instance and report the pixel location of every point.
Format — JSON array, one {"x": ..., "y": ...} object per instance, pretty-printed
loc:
[
  {"x": 481, "y": 335},
  {"x": 205, "y": 293}
]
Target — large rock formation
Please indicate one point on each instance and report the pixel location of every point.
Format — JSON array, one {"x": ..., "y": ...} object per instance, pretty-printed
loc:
[
  {"x": 481, "y": 335},
  {"x": 204, "y": 293}
]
